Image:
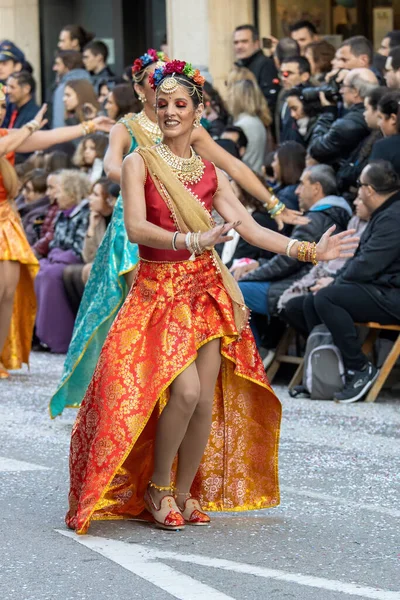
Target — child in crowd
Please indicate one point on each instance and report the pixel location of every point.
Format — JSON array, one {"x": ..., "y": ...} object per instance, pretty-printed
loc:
[{"x": 89, "y": 155}]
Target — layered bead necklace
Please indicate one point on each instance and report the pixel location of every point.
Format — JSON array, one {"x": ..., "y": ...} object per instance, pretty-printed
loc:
[
  {"x": 188, "y": 170},
  {"x": 149, "y": 126}
]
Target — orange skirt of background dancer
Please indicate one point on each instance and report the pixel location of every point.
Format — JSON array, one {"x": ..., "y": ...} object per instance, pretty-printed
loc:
[
  {"x": 172, "y": 310},
  {"x": 15, "y": 247}
]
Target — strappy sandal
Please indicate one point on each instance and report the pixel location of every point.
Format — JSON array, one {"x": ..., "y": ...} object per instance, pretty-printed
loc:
[
  {"x": 173, "y": 521},
  {"x": 191, "y": 511}
]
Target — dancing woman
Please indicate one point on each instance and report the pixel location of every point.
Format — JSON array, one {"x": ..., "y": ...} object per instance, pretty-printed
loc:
[
  {"x": 179, "y": 416},
  {"x": 18, "y": 264},
  {"x": 114, "y": 265}
]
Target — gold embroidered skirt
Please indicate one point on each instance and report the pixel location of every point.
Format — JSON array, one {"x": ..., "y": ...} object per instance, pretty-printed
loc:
[
  {"x": 171, "y": 311},
  {"x": 15, "y": 247}
]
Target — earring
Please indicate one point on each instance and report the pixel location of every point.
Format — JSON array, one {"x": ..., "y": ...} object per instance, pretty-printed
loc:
[
  {"x": 142, "y": 98},
  {"x": 197, "y": 123}
]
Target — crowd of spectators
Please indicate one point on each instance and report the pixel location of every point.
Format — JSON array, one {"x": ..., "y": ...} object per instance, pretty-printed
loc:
[{"x": 319, "y": 126}]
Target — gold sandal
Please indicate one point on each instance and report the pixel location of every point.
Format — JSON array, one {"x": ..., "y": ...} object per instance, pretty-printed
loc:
[{"x": 173, "y": 521}]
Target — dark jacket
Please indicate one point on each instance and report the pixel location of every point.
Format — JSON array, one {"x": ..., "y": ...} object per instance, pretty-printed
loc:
[
  {"x": 266, "y": 74},
  {"x": 281, "y": 271},
  {"x": 387, "y": 149},
  {"x": 376, "y": 264},
  {"x": 30, "y": 213},
  {"x": 333, "y": 140},
  {"x": 104, "y": 75},
  {"x": 26, "y": 113},
  {"x": 70, "y": 229},
  {"x": 350, "y": 171}
]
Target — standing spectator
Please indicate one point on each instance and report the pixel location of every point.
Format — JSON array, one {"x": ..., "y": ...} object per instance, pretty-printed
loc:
[
  {"x": 250, "y": 112},
  {"x": 368, "y": 286},
  {"x": 295, "y": 72},
  {"x": 68, "y": 66},
  {"x": 285, "y": 48},
  {"x": 319, "y": 55},
  {"x": 304, "y": 33},
  {"x": 392, "y": 68},
  {"x": 105, "y": 87},
  {"x": 21, "y": 88},
  {"x": 95, "y": 55},
  {"x": 234, "y": 141},
  {"x": 35, "y": 204},
  {"x": 354, "y": 53},
  {"x": 248, "y": 53},
  {"x": 55, "y": 319},
  {"x": 12, "y": 59},
  {"x": 333, "y": 139},
  {"x": 214, "y": 111},
  {"x": 389, "y": 123},
  {"x": 79, "y": 98},
  {"x": 89, "y": 155},
  {"x": 121, "y": 100},
  {"x": 390, "y": 41},
  {"x": 74, "y": 37}
]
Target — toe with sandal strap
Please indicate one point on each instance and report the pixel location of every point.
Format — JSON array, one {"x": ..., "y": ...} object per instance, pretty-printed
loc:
[
  {"x": 167, "y": 516},
  {"x": 191, "y": 510}
]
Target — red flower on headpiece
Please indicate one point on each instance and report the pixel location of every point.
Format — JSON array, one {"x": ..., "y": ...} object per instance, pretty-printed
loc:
[
  {"x": 175, "y": 66},
  {"x": 151, "y": 81},
  {"x": 153, "y": 53},
  {"x": 137, "y": 66}
]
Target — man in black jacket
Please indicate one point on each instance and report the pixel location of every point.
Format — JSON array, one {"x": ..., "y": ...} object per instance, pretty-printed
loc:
[
  {"x": 268, "y": 279},
  {"x": 368, "y": 286},
  {"x": 333, "y": 139},
  {"x": 248, "y": 53}
]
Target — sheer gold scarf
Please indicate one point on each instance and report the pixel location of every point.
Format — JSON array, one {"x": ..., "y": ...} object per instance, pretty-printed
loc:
[
  {"x": 141, "y": 136},
  {"x": 191, "y": 216}
]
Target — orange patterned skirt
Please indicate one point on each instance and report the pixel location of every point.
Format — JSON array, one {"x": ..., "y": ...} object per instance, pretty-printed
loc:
[
  {"x": 171, "y": 311},
  {"x": 15, "y": 247}
]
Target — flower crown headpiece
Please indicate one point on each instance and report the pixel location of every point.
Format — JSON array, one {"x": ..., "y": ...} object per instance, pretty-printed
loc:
[
  {"x": 3, "y": 92},
  {"x": 164, "y": 77},
  {"x": 150, "y": 57}
]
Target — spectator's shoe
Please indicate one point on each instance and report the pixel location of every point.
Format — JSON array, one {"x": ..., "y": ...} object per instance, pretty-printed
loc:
[{"x": 357, "y": 384}]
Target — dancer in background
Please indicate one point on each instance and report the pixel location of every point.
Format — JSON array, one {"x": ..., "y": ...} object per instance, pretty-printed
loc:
[
  {"x": 112, "y": 271},
  {"x": 179, "y": 375}
]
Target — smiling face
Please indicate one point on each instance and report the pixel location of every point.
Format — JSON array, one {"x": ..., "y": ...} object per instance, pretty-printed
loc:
[{"x": 176, "y": 112}]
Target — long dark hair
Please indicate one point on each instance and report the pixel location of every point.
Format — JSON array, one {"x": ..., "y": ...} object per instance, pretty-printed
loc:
[
  {"x": 292, "y": 162},
  {"x": 125, "y": 99}
]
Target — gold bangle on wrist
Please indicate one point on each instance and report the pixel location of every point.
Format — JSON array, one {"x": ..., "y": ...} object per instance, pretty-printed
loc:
[{"x": 88, "y": 127}]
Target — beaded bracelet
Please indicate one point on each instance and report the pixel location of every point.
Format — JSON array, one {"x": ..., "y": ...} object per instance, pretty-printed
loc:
[{"x": 307, "y": 252}]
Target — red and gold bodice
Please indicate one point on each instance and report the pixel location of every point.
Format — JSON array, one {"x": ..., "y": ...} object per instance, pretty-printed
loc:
[
  {"x": 11, "y": 159},
  {"x": 159, "y": 213}
]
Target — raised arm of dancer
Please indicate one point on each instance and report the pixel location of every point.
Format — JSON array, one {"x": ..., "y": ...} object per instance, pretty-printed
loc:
[
  {"x": 232, "y": 210},
  {"x": 16, "y": 137},
  {"x": 241, "y": 173},
  {"x": 141, "y": 231},
  {"x": 119, "y": 143}
]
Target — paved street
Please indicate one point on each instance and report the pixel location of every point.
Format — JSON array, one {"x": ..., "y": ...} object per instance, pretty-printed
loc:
[{"x": 335, "y": 536}]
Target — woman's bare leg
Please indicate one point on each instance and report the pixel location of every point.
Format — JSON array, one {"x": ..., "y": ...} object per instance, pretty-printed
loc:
[
  {"x": 9, "y": 278},
  {"x": 195, "y": 440}
]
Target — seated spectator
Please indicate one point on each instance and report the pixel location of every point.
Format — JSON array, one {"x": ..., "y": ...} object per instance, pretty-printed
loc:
[
  {"x": 55, "y": 319},
  {"x": 389, "y": 123},
  {"x": 288, "y": 166},
  {"x": 234, "y": 141},
  {"x": 89, "y": 155},
  {"x": 56, "y": 161},
  {"x": 120, "y": 101},
  {"x": 367, "y": 288},
  {"x": 215, "y": 112},
  {"x": 304, "y": 33},
  {"x": 45, "y": 226},
  {"x": 390, "y": 41},
  {"x": 36, "y": 203},
  {"x": 74, "y": 37},
  {"x": 101, "y": 204},
  {"x": 304, "y": 114},
  {"x": 333, "y": 139},
  {"x": 95, "y": 55},
  {"x": 68, "y": 66},
  {"x": 263, "y": 286},
  {"x": 350, "y": 170},
  {"x": 250, "y": 112},
  {"x": 324, "y": 273},
  {"x": 320, "y": 55},
  {"x": 294, "y": 72},
  {"x": 80, "y": 101},
  {"x": 392, "y": 68}
]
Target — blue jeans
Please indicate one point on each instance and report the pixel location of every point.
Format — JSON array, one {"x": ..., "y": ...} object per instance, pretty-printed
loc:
[{"x": 255, "y": 294}]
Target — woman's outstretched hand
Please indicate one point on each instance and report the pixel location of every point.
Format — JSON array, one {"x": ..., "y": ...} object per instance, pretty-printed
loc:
[
  {"x": 341, "y": 245},
  {"x": 291, "y": 217},
  {"x": 39, "y": 117},
  {"x": 217, "y": 235}
]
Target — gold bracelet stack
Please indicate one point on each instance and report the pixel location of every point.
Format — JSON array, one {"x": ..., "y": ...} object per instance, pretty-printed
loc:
[
  {"x": 88, "y": 127},
  {"x": 307, "y": 252},
  {"x": 275, "y": 207},
  {"x": 32, "y": 126}
]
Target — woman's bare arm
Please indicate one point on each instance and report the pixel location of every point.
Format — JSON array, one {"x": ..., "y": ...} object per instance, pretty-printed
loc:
[{"x": 118, "y": 146}]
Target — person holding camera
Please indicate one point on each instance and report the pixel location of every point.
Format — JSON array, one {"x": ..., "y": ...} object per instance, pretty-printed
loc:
[{"x": 334, "y": 139}]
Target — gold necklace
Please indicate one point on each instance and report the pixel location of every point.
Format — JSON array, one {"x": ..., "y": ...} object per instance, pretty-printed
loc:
[
  {"x": 150, "y": 127},
  {"x": 188, "y": 170}
]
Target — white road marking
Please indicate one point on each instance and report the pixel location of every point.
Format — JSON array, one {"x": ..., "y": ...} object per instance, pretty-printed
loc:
[
  {"x": 9, "y": 464},
  {"x": 391, "y": 512},
  {"x": 144, "y": 562}
]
